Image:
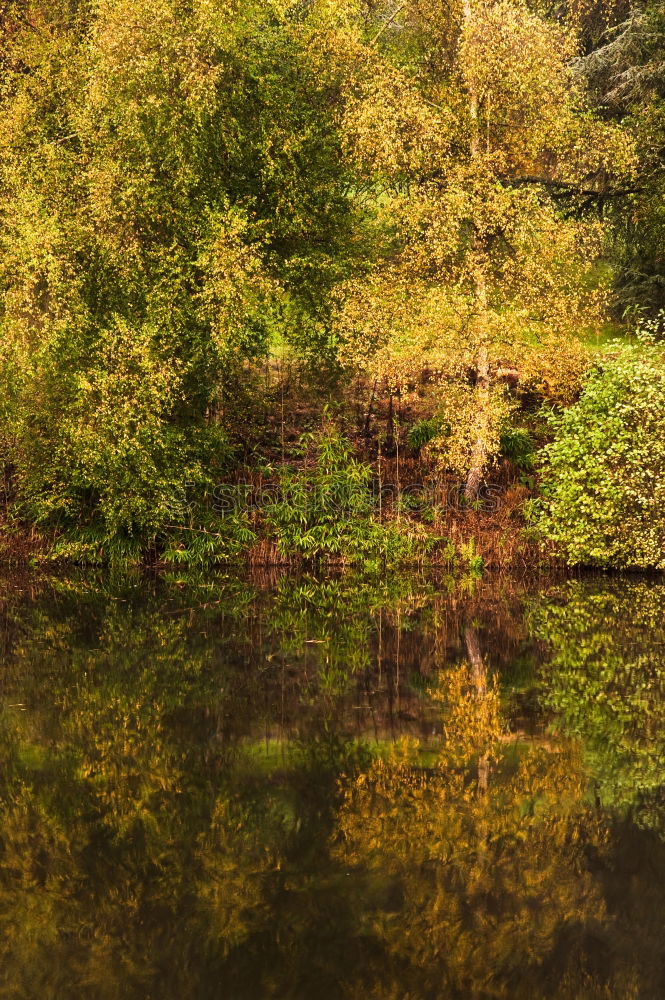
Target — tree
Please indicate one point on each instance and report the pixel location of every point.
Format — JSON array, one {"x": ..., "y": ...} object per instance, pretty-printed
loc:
[
  {"x": 483, "y": 271},
  {"x": 171, "y": 193},
  {"x": 626, "y": 74}
]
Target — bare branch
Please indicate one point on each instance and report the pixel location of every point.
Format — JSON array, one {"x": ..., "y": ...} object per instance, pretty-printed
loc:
[{"x": 386, "y": 24}]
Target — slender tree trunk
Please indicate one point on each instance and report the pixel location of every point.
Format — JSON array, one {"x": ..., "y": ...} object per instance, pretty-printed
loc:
[
  {"x": 479, "y": 452},
  {"x": 390, "y": 427},
  {"x": 368, "y": 418},
  {"x": 472, "y": 93}
]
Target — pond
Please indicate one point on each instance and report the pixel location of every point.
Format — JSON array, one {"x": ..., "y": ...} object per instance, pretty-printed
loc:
[{"x": 331, "y": 787}]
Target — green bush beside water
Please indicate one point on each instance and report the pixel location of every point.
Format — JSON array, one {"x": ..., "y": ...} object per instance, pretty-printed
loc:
[{"x": 603, "y": 475}]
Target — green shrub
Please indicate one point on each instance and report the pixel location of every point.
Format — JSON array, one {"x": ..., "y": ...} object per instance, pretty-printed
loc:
[
  {"x": 422, "y": 432},
  {"x": 517, "y": 446},
  {"x": 103, "y": 444},
  {"x": 326, "y": 509},
  {"x": 603, "y": 476}
]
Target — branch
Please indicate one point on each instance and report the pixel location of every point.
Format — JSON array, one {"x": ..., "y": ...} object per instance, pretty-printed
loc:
[
  {"x": 566, "y": 187},
  {"x": 386, "y": 24}
]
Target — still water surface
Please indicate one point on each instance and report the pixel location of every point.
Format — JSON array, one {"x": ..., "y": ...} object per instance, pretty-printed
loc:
[{"x": 331, "y": 788}]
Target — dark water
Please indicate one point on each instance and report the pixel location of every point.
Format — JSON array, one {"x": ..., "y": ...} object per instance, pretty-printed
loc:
[{"x": 331, "y": 788}]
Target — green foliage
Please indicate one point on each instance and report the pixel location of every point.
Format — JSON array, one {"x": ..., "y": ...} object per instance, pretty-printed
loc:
[
  {"x": 605, "y": 679},
  {"x": 201, "y": 547},
  {"x": 172, "y": 194},
  {"x": 103, "y": 438},
  {"x": 626, "y": 73},
  {"x": 327, "y": 509},
  {"x": 472, "y": 559},
  {"x": 603, "y": 476},
  {"x": 422, "y": 432},
  {"x": 517, "y": 445}
]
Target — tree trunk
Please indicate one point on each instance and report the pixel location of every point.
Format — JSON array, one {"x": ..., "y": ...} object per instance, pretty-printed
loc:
[
  {"x": 368, "y": 418},
  {"x": 390, "y": 428},
  {"x": 479, "y": 453}
]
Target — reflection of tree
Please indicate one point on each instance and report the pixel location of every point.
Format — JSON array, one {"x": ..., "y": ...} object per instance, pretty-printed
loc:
[
  {"x": 478, "y": 891},
  {"x": 145, "y": 836},
  {"x": 605, "y": 679},
  {"x": 479, "y": 678},
  {"x": 150, "y": 845}
]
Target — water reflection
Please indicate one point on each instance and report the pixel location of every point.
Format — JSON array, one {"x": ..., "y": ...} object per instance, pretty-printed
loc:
[
  {"x": 605, "y": 682},
  {"x": 336, "y": 788}
]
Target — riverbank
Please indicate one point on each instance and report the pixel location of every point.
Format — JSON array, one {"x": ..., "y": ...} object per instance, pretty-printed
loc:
[{"x": 434, "y": 536}]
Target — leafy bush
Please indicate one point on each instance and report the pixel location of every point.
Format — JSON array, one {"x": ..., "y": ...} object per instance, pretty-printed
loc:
[
  {"x": 603, "y": 485},
  {"x": 104, "y": 445},
  {"x": 422, "y": 432},
  {"x": 517, "y": 446},
  {"x": 326, "y": 509}
]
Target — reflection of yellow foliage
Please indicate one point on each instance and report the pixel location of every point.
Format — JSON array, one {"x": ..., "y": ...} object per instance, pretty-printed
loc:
[
  {"x": 143, "y": 861},
  {"x": 472, "y": 721},
  {"x": 491, "y": 878},
  {"x": 230, "y": 887}
]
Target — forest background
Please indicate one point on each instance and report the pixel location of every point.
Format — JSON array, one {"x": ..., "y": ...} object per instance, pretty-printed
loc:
[{"x": 332, "y": 280}]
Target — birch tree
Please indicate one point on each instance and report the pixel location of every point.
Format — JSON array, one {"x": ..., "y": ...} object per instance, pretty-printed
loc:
[{"x": 489, "y": 258}]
